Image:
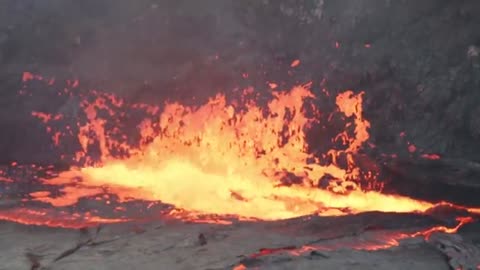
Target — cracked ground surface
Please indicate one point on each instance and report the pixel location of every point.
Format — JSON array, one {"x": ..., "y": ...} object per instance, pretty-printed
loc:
[
  {"x": 198, "y": 246},
  {"x": 177, "y": 245}
]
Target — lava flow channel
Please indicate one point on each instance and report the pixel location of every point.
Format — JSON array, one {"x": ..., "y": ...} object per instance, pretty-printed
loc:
[
  {"x": 223, "y": 158},
  {"x": 380, "y": 241}
]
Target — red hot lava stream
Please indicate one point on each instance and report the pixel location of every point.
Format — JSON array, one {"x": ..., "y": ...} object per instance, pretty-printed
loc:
[{"x": 386, "y": 241}]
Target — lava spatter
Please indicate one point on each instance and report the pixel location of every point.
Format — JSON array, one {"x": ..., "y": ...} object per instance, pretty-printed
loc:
[{"x": 222, "y": 158}]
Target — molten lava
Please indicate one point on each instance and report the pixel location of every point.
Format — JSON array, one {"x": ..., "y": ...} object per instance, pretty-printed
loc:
[
  {"x": 223, "y": 158},
  {"x": 226, "y": 158},
  {"x": 382, "y": 241},
  {"x": 56, "y": 218},
  {"x": 229, "y": 159}
]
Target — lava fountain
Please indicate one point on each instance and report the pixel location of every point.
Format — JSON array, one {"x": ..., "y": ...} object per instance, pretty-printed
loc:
[{"x": 226, "y": 158}]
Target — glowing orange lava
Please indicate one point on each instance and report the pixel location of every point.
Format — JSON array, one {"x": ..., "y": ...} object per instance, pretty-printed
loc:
[
  {"x": 382, "y": 241},
  {"x": 427, "y": 233},
  {"x": 225, "y": 159},
  {"x": 56, "y": 218},
  {"x": 222, "y": 158}
]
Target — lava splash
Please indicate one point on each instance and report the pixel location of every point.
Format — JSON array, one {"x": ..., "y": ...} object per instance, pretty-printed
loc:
[{"x": 245, "y": 157}]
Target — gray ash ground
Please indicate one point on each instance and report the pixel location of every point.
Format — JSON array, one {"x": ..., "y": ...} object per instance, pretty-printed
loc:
[{"x": 167, "y": 244}]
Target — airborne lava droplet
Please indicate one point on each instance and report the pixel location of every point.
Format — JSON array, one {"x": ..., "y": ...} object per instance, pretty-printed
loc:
[
  {"x": 272, "y": 85},
  {"x": 295, "y": 63},
  {"x": 27, "y": 76},
  {"x": 240, "y": 267},
  {"x": 431, "y": 156},
  {"x": 412, "y": 148}
]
